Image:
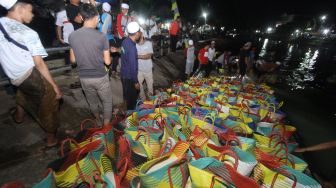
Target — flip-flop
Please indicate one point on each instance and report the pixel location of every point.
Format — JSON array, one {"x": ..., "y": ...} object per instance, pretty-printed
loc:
[
  {"x": 47, "y": 148},
  {"x": 12, "y": 112}
]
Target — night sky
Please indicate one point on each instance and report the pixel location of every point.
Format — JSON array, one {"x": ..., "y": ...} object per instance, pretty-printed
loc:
[{"x": 254, "y": 13}]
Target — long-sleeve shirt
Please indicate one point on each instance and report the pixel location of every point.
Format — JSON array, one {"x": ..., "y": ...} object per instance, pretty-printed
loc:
[
  {"x": 174, "y": 28},
  {"x": 129, "y": 60}
]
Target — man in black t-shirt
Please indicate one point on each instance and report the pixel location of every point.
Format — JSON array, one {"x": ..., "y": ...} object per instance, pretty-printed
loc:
[
  {"x": 244, "y": 56},
  {"x": 72, "y": 10}
]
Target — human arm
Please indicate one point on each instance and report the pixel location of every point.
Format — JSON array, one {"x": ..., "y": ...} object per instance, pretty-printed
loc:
[
  {"x": 106, "y": 22},
  {"x": 318, "y": 147},
  {"x": 43, "y": 69},
  {"x": 59, "y": 34}
]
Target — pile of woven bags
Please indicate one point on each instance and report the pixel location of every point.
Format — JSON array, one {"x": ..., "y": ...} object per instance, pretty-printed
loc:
[{"x": 209, "y": 132}]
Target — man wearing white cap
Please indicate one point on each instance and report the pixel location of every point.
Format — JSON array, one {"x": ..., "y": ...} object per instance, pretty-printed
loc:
[
  {"x": 190, "y": 58},
  {"x": 122, "y": 20},
  {"x": 129, "y": 65},
  {"x": 21, "y": 58},
  {"x": 145, "y": 68},
  {"x": 105, "y": 22}
]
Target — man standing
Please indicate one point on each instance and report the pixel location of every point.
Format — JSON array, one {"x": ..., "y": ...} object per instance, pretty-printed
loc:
[
  {"x": 244, "y": 59},
  {"x": 122, "y": 20},
  {"x": 129, "y": 65},
  {"x": 72, "y": 10},
  {"x": 63, "y": 24},
  {"x": 145, "y": 53},
  {"x": 190, "y": 58},
  {"x": 173, "y": 32},
  {"x": 90, "y": 49},
  {"x": 203, "y": 59},
  {"x": 21, "y": 58},
  {"x": 211, "y": 57}
]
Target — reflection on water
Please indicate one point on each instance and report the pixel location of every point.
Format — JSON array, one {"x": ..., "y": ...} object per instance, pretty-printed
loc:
[
  {"x": 304, "y": 73},
  {"x": 263, "y": 49}
]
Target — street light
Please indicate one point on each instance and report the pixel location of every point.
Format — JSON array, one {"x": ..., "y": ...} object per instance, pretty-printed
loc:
[
  {"x": 324, "y": 17},
  {"x": 205, "y": 16},
  {"x": 326, "y": 31},
  {"x": 269, "y": 29}
]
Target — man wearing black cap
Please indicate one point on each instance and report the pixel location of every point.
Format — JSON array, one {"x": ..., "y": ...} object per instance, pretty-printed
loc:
[{"x": 21, "y": 58}]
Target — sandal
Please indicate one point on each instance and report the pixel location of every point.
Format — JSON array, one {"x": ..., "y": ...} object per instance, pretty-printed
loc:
[
  {"x": 46, "y": 147},
  {"x": 75, "y": 85},
  {"x": 12, "y": 112}
]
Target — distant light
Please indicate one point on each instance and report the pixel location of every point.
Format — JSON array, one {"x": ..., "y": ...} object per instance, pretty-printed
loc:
[
  {"x": 167, "y": 25},
  {"x": 309, "y": 29},
  {"x": 213, "y": 28},
  {"x": 234, "y": 29},
  {"x": 193, "y": 25},
  {"x": 141, "y": 20},
  {"x": 257, "y": 31},
  {"x": 297, "y": 31},
  {"x": 277, "y": 25},
  {"x": 269, "y": 29},
  {"x": 204, "y": 14},
  {"x": 324, "y": 17},
  {"x": 326, "y": 31}
]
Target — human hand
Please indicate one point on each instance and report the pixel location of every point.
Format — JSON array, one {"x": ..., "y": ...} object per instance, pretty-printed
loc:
[
  {"x": 114, "y": 49},
  {"x": 137, "y": 86},
  {"x": 58, "y": 92},
  {"x": 78, "y": 19}
]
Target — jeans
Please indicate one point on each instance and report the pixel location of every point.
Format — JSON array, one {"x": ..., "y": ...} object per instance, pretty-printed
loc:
[{"x": 96, "y": 89}]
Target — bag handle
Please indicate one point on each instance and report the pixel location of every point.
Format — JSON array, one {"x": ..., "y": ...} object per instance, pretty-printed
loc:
[
  {"x": 285, "y": 173},
  {"x": 88, "y": 120},
  {"x": 184, "y": 175},
  {"x": 230, "y": 153},
  {"x": 70, "y": 140}
]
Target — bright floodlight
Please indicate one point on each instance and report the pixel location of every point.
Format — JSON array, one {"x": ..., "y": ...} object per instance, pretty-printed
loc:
[
  {"x": 269, "y": 29},
  {"x": 326, "y": 31},
  {"x": 204, "y": 14},
  {"x": 323, "y": 17},
  {"x": 141, "y": 20}
]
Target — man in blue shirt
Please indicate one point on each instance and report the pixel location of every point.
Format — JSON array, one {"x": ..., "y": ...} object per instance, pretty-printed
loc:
[{"x": 129, "y": 65}]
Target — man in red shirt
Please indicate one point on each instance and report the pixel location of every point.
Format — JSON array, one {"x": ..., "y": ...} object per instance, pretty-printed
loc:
[
  {"x": 173, "y": 32},
  {"x": 203, "y": 59}
]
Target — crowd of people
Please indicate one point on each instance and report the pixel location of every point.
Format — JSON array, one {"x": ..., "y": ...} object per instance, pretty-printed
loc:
[
  {"x": 95, "y": 50},
  {"x": 97, "y": 46}
]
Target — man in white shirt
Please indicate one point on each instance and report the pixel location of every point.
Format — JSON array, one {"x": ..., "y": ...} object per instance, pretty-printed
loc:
[
  {"x": 145, "y": 66},
  {"x": 21, "y": 58},
  {"x": 63, "y": 23},
  {"x": 211, "y": 56},
  {"x": 190, "y": 58}
]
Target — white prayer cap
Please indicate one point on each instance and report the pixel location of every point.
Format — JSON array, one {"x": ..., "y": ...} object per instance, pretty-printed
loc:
[
  {"x": 191, "y": 42},
  {"x": 106, "y": 7},
  {"x": 8, "y": 4},
  {"x": 124, "y": 6},
  {"x": 133, "y": 27}
]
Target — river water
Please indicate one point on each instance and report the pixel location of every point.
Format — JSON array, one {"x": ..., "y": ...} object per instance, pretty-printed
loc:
[{"x": 307, "y": 85}]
